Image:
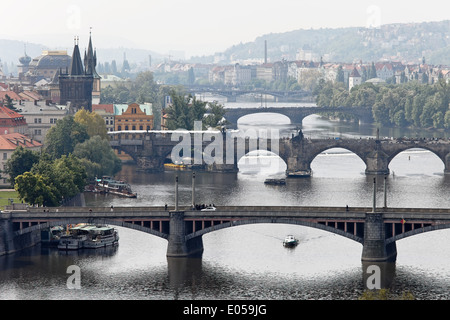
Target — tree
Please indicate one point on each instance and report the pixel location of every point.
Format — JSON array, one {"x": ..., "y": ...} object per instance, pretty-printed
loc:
[
  {"x": 98, "y": 157},
  {"x": 94, "y": 123},
  {"x": 215, "y": 117},
  {"x": 34, "y": 189},
  {"x": 340, "y": 75},
  {"x": 62, "y": 138},
  {"x": 21, "y": 160},
  {"x": 9, "y": 103},
  {"x": 184, "y": 111}
]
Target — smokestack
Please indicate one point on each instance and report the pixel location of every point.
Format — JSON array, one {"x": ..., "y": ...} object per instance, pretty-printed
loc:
[{"x": 265, "y": 51}]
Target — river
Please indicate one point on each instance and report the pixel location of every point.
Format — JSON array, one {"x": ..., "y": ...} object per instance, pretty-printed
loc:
[{"x": 249, "y": 262}]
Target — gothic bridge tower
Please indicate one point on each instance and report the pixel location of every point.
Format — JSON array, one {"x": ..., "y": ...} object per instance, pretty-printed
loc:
[{"x": 76, "y": 84}]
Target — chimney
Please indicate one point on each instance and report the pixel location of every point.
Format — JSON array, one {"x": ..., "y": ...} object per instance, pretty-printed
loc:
[{"x": 265, "y": 51}]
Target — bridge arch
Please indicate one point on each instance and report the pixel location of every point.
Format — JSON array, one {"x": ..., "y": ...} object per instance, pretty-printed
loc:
[
  {"x": 99, "y": 221},
  {"x": 435, "y": 227},
  {"x": 270, "y": 162},
  {"x": 392, "y": 157},
  {"x": 335, "y": 146},
  {"x": 241, "y": 222}
]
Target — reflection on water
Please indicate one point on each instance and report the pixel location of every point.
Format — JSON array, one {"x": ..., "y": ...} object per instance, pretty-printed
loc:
[{"x": 249, "y": 262}]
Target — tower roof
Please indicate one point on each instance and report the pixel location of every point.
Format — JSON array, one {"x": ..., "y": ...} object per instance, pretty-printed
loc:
[{"x": 76, "y": 65}]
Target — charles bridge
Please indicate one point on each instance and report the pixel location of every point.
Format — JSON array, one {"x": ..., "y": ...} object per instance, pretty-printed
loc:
[{"x": 224, "y": 149}]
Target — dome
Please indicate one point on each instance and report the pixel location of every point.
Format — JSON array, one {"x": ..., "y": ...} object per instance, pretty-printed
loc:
[
  {"x": 51, "y": 61},
  {"x": 25, "y": 60}
]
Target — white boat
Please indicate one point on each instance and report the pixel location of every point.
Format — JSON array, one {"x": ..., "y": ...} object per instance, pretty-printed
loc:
[
  {"x": 76, "y": 237},
  {"x": 100, "y": 237},
  {"x": 290, "y": 241}
]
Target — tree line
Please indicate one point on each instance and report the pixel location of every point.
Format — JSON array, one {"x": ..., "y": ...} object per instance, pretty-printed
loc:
[
  {"x": 410, "y": 104},
  {"x": 76, "y": 151}
]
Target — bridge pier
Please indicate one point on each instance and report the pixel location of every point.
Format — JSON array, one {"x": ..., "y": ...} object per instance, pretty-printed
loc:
[
  {"x": 377, "y": 163},
  {"x": 6, "y": 234},
  {"x": 178, "y": 246},
  {"x": 375, "y": 248}
]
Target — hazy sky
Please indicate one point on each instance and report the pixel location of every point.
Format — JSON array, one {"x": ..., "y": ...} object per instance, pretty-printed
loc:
[{"x": 198, "y": 27}]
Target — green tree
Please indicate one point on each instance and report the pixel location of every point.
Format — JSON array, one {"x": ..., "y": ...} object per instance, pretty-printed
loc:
[
  {"x": 98, "y": 157},
  {"x": 62, "y": 138},
  {"x": 215, "y": 117},
  {"x": 21, "y": 160},
  {"x": 35, "y": 190},
  {"x": 9, "y": 103},
  {"x": 184, "y": 111}
]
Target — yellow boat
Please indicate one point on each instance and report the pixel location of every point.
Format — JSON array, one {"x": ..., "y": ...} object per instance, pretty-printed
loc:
[{"x": 174, "y": 166}]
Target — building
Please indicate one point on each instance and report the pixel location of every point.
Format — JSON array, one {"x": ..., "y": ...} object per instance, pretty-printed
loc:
[
  {"x": 106, "y": 111},
  {"x": 354, "y": 79},
  {"x": 12, "y": 122},
  {"x": 40, "y": 116},
  {"x": 8, "y": 144},
  {"x": 133, "y": 117},
  {"x": 78, "y": 83},
  {"x": 43, "y": 67}
]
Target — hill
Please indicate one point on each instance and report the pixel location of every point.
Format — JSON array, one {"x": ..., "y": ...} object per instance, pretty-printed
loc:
[{"x": 402, "y": 42}]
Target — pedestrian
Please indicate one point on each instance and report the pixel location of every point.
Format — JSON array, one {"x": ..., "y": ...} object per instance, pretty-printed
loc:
[
  {"x": 165, "y": 207},
  {"x": 346, "y": 208}
]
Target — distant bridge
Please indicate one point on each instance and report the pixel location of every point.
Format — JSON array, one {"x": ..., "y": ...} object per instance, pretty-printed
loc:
[
  {"x": 232, "y": 94},
  {"x": 297, "y": 114},
  {"x": 377, "y": 229}
]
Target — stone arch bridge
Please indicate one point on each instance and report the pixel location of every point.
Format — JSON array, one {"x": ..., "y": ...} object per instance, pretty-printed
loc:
[
  {"x": 296, "y": 114},
  {"x": 377, "y": 229},
  {"x": 221, "y": 151}
]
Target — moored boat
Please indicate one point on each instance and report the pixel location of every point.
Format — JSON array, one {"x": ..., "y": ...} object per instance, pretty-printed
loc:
[
  {"x": 102, "y": 237},
  {"x": 290, "y": 241},
  {"x": 88, "y": 236},
  {"x": 76, "y": 237},
  {"x": 300, "y": 174},
  {"x": 118, "y": 187}
]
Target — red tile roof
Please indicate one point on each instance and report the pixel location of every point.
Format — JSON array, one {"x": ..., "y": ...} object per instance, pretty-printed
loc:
[
  {"x": 11, "y": 94},
  {"x": 107, "y": 107},
  {"x": 11, "y": 141}
]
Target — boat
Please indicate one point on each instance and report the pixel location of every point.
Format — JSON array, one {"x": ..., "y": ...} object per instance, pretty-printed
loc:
[
  {"x": 174, "y": 166},
  {"x": 118, "y": 187},
  {"x": 275, "y": 181},
  {"x": 87, "y": 236},
  {"x": 75, "y": 238},
  {"x": 290, "y": 241},
  {"x": 300, "y": 174},
  {"x": 100, "y": 237}
]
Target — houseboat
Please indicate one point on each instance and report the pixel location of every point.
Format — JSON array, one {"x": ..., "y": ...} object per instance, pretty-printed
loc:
[
  {"x": 118, "y": 187},
  {"x": 100, "y": 237}
]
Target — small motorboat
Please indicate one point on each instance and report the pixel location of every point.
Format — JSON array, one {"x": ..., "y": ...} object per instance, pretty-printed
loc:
[
  {"x": 275, "y": 181},
  {"x": 290, "y": 241}
]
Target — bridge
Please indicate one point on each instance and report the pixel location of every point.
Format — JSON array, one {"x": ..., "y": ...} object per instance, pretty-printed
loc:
[
  {"x": 231, "y": 94},
  {"x": 297, "y": 114},
  {"x": 377, "y": 229},
  {"x": 221, "y": 151}
]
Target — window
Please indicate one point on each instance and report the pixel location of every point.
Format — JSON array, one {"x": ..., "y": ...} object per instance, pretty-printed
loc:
[
  {"x": 37, "y": 132},
  {"x": 37, "y": 120},
  {"x": 5, "y": 156}
]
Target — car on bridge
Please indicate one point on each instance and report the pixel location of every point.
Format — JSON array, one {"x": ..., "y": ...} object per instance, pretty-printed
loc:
[{"x": 209, "y": 209}]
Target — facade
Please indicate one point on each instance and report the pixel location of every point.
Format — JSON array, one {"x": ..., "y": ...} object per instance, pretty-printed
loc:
[
  {"x": 133, "y": 117},
  {"x": 8, "y": 144},
  {"x": 40, "y": 116},
  {"x": 354, "y": 79},
  {"x": 106, "y": 111}
]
